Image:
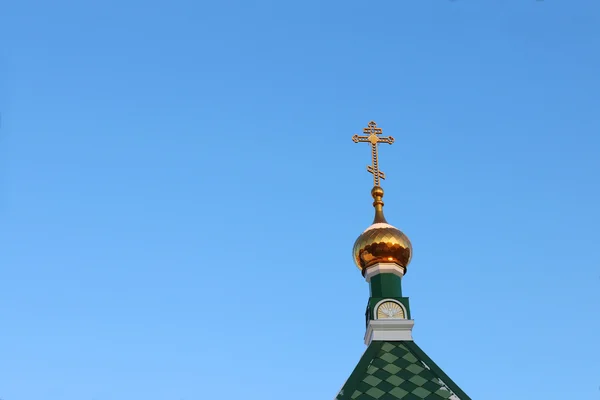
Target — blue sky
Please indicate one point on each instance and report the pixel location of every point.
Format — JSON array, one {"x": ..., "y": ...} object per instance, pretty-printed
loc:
[{"x": 180, "y": 194}]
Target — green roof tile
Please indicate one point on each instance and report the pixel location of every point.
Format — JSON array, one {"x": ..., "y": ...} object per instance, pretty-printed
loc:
[{"x": 398, "y": 371}]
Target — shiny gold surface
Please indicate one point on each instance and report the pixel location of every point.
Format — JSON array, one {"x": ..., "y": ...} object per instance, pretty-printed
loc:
[
  {"x": 381, "y": 242},
  {"x": 372, "y": 131},
  {"x": 377, "y": 194}
]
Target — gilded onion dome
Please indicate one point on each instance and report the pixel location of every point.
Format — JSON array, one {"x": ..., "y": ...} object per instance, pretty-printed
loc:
[{"x": 381, "y": 242}]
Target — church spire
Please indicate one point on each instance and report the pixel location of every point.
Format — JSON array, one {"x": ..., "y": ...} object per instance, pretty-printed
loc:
[
  {"x": 380, "y": 242},
  {"x": 393, "y": 366}
]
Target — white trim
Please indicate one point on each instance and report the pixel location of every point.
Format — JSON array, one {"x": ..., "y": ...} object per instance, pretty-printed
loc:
[
  {"x": 393, "y": 301},
  {"x": 380, "y": 268},
  {"x": 389, "y": 330}
]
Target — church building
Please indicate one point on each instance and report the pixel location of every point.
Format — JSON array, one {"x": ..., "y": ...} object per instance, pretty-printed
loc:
[{"x": 393, "y": 366}]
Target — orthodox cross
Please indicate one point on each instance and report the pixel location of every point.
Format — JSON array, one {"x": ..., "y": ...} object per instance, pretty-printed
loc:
[{"x": 372, "y": 131}]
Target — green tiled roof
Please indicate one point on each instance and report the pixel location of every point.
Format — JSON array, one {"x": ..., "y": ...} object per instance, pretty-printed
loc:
[{"x": 398, "y": 370}]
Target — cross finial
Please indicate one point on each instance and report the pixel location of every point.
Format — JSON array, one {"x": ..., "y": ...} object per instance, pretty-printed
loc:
[{"x": 372, "y": 132}]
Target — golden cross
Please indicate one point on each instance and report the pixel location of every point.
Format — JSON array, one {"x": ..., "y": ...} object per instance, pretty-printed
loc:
[{"x": 372, "y": 131}]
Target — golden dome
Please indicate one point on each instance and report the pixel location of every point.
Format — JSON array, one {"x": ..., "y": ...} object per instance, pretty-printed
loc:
[{"x": 381, "y": 242}]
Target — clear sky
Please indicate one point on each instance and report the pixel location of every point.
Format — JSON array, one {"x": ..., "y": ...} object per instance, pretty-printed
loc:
[{"x": 180, "y": 194}]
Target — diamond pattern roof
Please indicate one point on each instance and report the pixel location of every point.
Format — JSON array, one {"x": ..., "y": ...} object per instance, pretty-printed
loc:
[{"x": 398, "y": 370}]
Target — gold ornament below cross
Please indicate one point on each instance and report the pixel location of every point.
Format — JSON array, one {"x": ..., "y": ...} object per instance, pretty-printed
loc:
[{"x": 372, "y": 132}]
